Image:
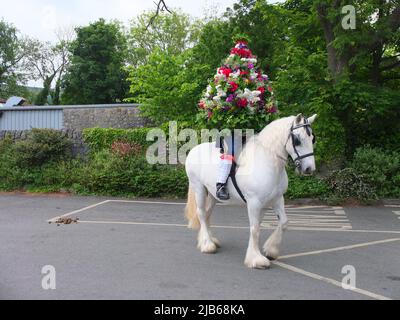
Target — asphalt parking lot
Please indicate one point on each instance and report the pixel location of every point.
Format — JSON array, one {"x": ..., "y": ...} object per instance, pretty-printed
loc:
[{"x": 124, "y": 249}]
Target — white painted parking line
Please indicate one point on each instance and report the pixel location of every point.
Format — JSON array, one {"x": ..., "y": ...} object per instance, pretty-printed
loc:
[
  {"x": 148, "y": 202},
  {"x": 268, "y": 226},
  {"x": 359, "y": 245},
  {"x": 311, "y": 218},
  {"x": 329, "y": 280},
  {"x": 136, "y": 223},
  {"x": 235, "y": 227},
  {"x": 340, "y": 212},
  {"x": 78, "y": 211}
]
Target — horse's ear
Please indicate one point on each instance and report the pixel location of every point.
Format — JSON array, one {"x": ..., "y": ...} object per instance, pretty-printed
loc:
[
  {"x": 312, "y": 119},
  {"x": 299, "y": 118}
]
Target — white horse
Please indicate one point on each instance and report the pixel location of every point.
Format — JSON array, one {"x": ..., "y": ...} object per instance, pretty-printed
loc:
[{"x": 262, "y": 178}]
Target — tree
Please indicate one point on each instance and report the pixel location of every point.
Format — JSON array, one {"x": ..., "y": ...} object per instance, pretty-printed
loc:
[
  {"x": 12, "y": 51},
  {"x": 165, "y": 87},
  {"x": 347, "y": 76},
  {"x": 96, "y": 72},
  {"x": 376, "y": 37},
  {"x": 172, "y": 32},
  {"x": 48, "y": 63}
]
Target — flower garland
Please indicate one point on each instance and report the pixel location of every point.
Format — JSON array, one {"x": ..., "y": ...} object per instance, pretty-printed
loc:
[{"x": 239, "y": 86}]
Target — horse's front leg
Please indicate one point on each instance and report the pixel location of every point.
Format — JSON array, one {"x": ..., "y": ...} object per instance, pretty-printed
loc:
[
  {"x": 254, "y": 257},
  {"x": 272, "y": 245}
]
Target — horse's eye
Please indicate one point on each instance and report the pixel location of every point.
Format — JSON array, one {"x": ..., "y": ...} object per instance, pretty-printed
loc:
[{"x": 296, "y": 141}]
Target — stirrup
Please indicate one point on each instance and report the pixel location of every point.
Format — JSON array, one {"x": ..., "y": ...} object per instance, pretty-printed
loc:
[{"x": 222, "y": 193}]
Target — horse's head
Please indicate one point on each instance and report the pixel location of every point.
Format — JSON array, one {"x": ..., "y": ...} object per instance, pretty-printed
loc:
[{"x": 300, "y": 145}]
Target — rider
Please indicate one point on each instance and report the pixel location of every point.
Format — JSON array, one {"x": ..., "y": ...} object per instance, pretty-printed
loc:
[{"x": 238, "y": 89}]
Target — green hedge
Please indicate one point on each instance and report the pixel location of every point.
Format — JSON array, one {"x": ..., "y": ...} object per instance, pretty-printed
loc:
[
  {"x": 99, "y": 138},
  {"x": 372, "y": 174}
]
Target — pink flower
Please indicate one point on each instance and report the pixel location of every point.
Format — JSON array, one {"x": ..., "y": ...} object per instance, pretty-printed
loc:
[
  {"x": 261, "y": 89},
  {"x": 233, "y": 86},
  {"x": 225, "y": 71},
  {"x": 242, "y": 103}
]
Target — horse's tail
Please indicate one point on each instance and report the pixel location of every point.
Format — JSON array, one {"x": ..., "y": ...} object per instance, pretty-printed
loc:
[{"x": 191, "y": 211}]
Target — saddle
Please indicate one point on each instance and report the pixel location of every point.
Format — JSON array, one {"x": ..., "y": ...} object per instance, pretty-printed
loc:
[{"x": 232, "y": 174}]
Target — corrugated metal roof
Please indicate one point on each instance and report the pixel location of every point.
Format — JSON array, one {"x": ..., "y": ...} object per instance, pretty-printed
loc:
[{"x": 15, "y": 101}]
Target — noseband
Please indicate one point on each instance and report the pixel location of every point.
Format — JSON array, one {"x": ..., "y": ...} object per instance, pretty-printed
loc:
[{"x": 307, "y": 126}]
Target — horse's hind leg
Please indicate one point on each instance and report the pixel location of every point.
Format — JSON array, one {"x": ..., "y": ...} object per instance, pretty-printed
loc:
[
  {"x": 204, "y": 241},
  {"x": 272, "y": 245}
]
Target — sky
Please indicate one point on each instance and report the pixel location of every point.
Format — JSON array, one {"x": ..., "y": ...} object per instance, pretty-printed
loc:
[{"x": 40, "y": 18}]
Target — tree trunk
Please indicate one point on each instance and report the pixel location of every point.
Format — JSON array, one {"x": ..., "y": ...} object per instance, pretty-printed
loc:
[{"x": 336, "y": 63}]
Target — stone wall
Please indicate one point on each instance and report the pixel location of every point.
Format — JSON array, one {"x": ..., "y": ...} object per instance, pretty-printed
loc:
[
  {"x": 117, "y": 117},
  {"x": 75, "y": 120}
]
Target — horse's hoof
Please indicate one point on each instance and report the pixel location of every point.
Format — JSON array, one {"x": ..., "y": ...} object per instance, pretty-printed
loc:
[
  {"x": 216, "y": 241},
  {"x": 258, "y": 263},
  {"x": 208, "y": 248},
  {"x": 271, "y": 253}
]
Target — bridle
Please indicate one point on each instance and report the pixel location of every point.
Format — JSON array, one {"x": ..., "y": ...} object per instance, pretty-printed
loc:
[{"x": 307, "y": 126}]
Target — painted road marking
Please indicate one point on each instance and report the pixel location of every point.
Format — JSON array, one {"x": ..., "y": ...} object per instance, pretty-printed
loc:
[
  {"x": 329, "y": 280},
  {"x": 264, "y": 227},
  {"x": 233, "y": 227},
  {"x": 310, "y": 219},
  {"x": 397, "y": 213},
  {"x": 359, "y": 245},
  {"x": 78, "y": 211}
]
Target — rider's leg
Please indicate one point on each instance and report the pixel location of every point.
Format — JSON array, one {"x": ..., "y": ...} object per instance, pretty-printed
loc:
[{"x": 224, "y": 169}]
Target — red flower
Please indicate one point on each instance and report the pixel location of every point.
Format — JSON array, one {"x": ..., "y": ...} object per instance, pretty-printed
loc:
[
  {"x": 242, "y": 103},
  {"x": 244, "y": 53},
  {"x": 270, "y": 89},
  {"x": 243, "y": 73},
  {"x": 261, "y": 89},
  {"x": 202, "y": 105},
  {"x": 225, "y": 71},
  {"x": 233, "y": 86}
]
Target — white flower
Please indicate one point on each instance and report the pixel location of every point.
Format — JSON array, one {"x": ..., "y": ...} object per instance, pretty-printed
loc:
[
  {"x": 235, "y": 75},
  {"x": 220, "y": 92},
  {"x": 219, "y": 77},
  {"x": 217, "y": 98},
  {"x": 252, "y": 96},
  {"x": 250, "y": 60}
]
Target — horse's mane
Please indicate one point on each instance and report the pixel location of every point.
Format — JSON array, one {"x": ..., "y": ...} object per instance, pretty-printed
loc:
[{"x": 272, "y": 138}]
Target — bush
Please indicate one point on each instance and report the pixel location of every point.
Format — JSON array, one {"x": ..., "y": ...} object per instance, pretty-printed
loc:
[
  {"x": 111, "y": 174},
  {"x": 42, "y": 146},
  {"x": 305, "y": 187},
  {"x": 99, "y": 138},
  {"x": 9, "y": 173},
  {"x": 380, "y": 169},
  {"x": 348, "y": 184}
]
